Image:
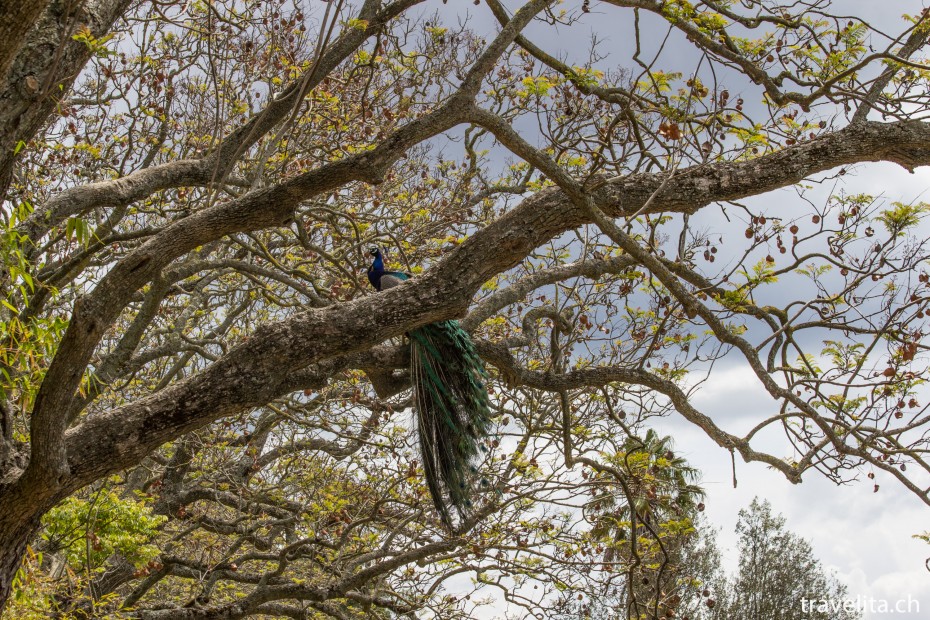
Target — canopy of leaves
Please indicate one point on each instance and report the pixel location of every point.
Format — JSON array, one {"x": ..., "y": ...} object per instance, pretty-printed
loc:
[{"x": 210, "y": 407}]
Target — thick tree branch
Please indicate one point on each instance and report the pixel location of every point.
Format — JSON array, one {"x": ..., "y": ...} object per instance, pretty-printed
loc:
[
  {"x": 255, "y": 372},
  {"x": 258, "y": 209}
]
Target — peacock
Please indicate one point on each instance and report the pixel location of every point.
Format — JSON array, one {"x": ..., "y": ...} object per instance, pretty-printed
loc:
[{"x": 452, "y": 404}]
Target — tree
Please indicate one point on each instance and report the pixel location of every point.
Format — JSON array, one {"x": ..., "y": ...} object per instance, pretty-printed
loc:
[
  {"x": 188, "y": 189},
  {"x": 778, "y": 573},
  {"x": 650, "y": 526}
]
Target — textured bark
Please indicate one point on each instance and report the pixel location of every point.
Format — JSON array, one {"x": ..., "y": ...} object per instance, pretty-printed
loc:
[
  {"x": 16, "y": 18},
  {"x": 258, "y": 369},
  {"x": 43, "y": 70},
  {"x": 19, "y": 520},
  {"x": 306, "y": 349},
  {"x": 10, "y": 455}
]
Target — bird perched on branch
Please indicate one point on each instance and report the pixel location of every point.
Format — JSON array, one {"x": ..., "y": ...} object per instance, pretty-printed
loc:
[{"x": 453, "y": 408}]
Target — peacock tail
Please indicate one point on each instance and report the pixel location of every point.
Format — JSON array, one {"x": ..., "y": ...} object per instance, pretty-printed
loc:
[{"x": 453, "y": 410}]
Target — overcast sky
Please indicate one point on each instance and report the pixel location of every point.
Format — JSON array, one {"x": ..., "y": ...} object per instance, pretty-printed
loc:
[{"x": 865, "y": 537}]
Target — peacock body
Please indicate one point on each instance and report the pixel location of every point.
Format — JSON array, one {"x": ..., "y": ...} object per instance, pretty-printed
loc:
[{"x": 451, "y": 401}]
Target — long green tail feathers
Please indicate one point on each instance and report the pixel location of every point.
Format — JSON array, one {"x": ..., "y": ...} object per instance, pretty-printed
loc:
[{"x": 453, "y": 412}]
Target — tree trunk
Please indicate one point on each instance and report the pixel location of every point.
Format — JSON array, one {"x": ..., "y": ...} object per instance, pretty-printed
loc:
[
  {"x": 16, "y": 18},
  {"x": 19, "y": 521},
  {"x": 33, "y": 80}
]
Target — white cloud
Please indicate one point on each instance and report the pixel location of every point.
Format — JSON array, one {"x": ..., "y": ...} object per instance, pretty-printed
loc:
[{"x": 865, "y": 537}]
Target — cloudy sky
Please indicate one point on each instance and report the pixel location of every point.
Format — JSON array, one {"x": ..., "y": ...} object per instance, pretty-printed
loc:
[{"x": 865, "y": 537}]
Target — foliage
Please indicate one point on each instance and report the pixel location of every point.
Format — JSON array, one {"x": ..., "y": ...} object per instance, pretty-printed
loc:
[
  {"x": 90, "y": 530},
  {"x": 33, "y": 590},
  {"x": 777, "y": 572},
  {"x": 207, "y": 408}
]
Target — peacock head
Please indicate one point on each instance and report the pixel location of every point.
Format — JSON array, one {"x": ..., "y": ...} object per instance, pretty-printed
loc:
[{"x": 374, "y": 250}]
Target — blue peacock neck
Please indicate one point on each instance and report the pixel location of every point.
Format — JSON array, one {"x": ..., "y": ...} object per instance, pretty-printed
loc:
[
  {"x": 378, "y": 264},
  {"x": 376, "y": 270}
]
